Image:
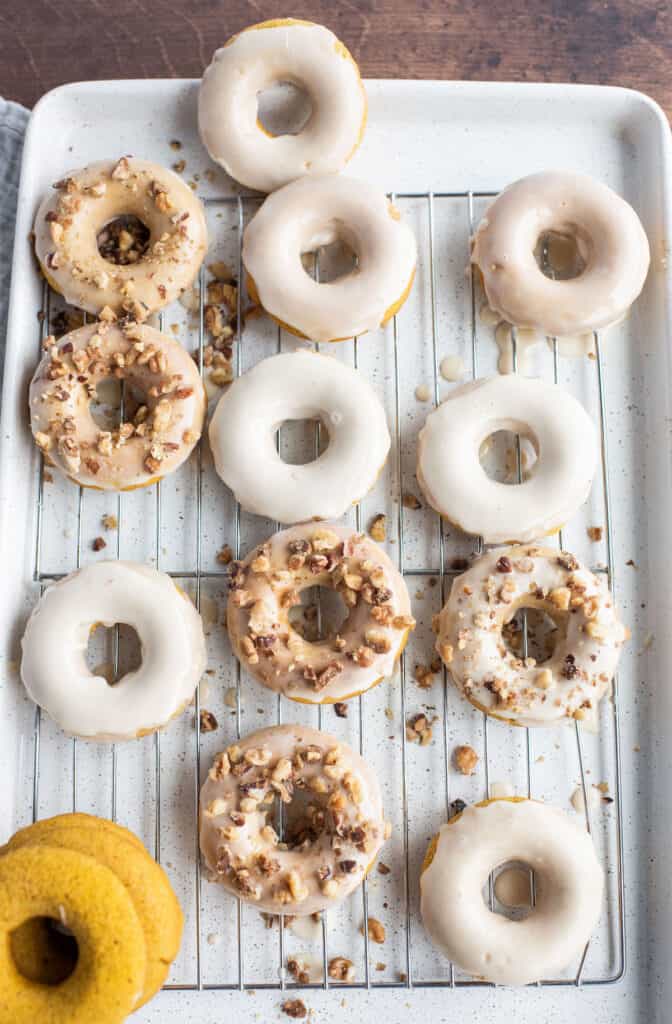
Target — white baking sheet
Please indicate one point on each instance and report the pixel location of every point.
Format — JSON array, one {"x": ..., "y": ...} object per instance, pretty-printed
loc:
[{"x": 445, "y": 137}]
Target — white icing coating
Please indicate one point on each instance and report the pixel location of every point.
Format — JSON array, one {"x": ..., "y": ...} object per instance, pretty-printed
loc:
[
  {"x": 267, "y": 585},
  {"x": 327, "y": 855},
  {"x": 53, "y": 665},
  {"x": 309, "y": 56},
  {"x": 571, "y": 683},
  {"x": 568, "y": 891},
  {"x": 609, "y": 237},
  {"x": 73, "y": 214},
  {"x": 456, "y": 485},
  {"x": 317, "y": 211},
  {"x": 300, "y": 385},
  {"x": 164, "y": 405}
]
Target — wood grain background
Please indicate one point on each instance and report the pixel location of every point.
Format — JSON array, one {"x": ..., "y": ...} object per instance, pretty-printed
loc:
[{"x": 44, "y": 43}]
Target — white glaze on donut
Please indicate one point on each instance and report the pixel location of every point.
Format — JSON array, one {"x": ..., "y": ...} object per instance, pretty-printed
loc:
[
  {"x": 53, "y": 665},
  {"x": 284, "y": 50},
  {"x": 84, "y": 201},
  {"x": 300, "y": 385},
  {"x": 267, "y": 585},
  {"x": 164, "y": 405},
  {"x": 340, "y": 842},
  {"x": 568, "y": 891},
  {"x": 482, "y": 600},
  {"x": 608, "y": 234},
  {"x": 456, "y": 485},
  {"x": 313, "y": 212}
]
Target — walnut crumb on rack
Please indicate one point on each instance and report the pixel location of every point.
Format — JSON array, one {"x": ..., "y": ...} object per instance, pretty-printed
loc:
[
  {"x": 208, "y": 721},
  {"x": 419, "y": 729},
  {"x": 294, "y": 1008},
  {"x": 99, "y": 543},
  {"x": 341, "y": 969},
  {"x": 595, "y": 533},
  {"x": 466, "y": 759},
  {"x": 110, "y": 522},
  {"x": 376, "y": 930},
  {"x": 377, "y": 529},
  {"x": 409, "y": 500}
]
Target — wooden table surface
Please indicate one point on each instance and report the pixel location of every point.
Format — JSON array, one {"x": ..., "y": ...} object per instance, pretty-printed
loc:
[{"x": 621, "y": 42}]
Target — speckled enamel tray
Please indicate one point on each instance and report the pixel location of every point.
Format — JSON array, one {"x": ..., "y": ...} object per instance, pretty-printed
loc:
[{"x": 442, "y": 148}]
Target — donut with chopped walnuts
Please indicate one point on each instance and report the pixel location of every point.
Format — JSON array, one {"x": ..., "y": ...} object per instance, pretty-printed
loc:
[
  {"x": 164, "y": 405},
  {"x": 324, "y": 852},
  {"x": 147, "y": 263},
  {"x": 268, "y": 584}
]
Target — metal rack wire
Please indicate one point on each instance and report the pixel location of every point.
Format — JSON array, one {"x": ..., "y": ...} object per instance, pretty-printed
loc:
[{"x": 195, "y": 572}]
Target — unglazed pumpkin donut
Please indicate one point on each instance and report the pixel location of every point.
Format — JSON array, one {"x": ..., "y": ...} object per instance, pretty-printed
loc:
[
  {"x": 327, "y": 855},
  {"x": 163, "y": 414},
  {"x": 282, "y": 50},
  {"x": 456, "y": 485},
  {"x": 71, "y": 217},
  {"x": 78, "y": 820},
  {"x": 317, "y": 211},
  {"x": 571, "y": 683},
  {"x": 268, "y": 584},
  {"x": 609, "y": 238},
  {"x": 53, "y": 664},
  {"x": 88, "y": 898},
  {"x": 154, "y": 901},
  {"x": 568, "y": 882},
  {"x": 294, "y": 386}
]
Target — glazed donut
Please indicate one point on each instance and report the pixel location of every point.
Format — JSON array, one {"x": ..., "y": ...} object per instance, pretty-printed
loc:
[
  {"x": 282, "y": 50},
  {"x": 327, "y": 852},
  {"x": 456, "y": 485},
  {"x": 486, "y": 597},
  {"x": 87, "y": 897},
  {"x": 609, "y": 238},
  {"x": 53, "y": 665},
  {"x": 146, "y": 882},
  {"x": 568, "y": 890},
  {"x": 70, "y": 219},
  {"x": 295, "y": 386},
  {"x": 163, "y": 415},
  {"x": 317, "y": 211},
  {"x": 268, "y": 584}
]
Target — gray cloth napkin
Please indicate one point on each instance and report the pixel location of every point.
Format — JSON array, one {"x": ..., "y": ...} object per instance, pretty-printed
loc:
[{"x": 13, "y": 120}]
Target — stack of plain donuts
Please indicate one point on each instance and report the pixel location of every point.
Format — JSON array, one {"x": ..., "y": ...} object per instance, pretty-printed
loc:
[{"x": 311, "y": 204}]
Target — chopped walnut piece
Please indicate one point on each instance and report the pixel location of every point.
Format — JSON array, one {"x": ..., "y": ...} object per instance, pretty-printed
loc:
[
  {"x": 595, "y": 533},
  {"x": 560, "y": 598},
  {"x": 409, "y": 500},
  {"x": 121, "y": 171},
  {"x": 466, "y": 759},
  {"x": 403, "y": 622},
  {"x": 419, "y": 729},
  {"x": 221, "y": 375},
  {"x": 294, "y": 1008},
  {"x": 225, "y": 555},
  {"x": 43, "y": 441},
  {"x": 298, "y": 970},
  {"x": 423, "y": 675},
  {"x": 341, "y": 709},
  {"x": 377, "y": 529},
  {"x": 208, "y": 722},
  {"x": 341, "y": 969},
  {"x": 99, "y": 543},
  {"x": 297, "y": 888},
  {"x": 376, "y": 930},
  {"x": 377, "y": 640},
  {"x": 504, "y": 564},
  {"x": 383, "y": 868}
]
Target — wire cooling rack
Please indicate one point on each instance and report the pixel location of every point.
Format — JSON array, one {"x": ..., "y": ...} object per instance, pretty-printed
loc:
[{"x": 154, "y": 786}]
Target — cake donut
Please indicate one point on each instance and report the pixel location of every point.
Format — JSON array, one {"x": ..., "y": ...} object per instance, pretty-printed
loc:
[
  {"x": 456, "y": 485},
  {"x": 296, "y": 386},
  {"x": 611, "y": 243},
  {"x": 318, "y": 211},
  {"x": 268, "y": 584},
  {"x": 82, "y": 204},
  {"x": 325, "y": 853},
  {"x": 568, "y": 882},
  {"x": 53, "y": 664},
  {"x": 571, "y": 683},
  {"x": 164, "y": 405},
  {"x": 282, "y": 50},
  {"x": 73, "y": 888}
]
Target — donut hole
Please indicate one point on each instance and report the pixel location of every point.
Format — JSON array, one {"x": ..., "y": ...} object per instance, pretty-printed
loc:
[
  {"x": 514, "y": 889},
  {"x": 123, "y": 240},
  {"x": 561, "y": 256},
  {"x": 301, "y": 441},
  {"x": 104, "y": 651},
  {"x": 544, "y": 632},
  {"x": 330, "y": 261},
  {"x": 320, "y": 616},
  {"x": 44, "y": 950},
  {"x": 284, "y": 108},
  {"x": 498, "y": 455}
]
